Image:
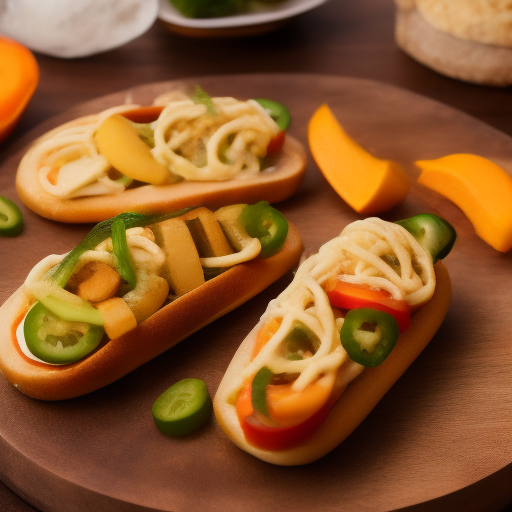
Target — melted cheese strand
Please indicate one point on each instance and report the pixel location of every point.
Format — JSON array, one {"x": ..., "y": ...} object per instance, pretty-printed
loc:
[
  {"x": 369, "y": 252},
  {"x": 190, "y": 141},
  {"x": 82, "y": 171}
]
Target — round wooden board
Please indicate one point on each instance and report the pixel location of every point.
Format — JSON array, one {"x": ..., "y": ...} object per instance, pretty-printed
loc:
[{"x": 441, "y": 439}]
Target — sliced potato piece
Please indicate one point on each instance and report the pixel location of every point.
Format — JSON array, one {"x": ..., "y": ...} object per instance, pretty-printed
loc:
[
  {"x": 95, "y": 282},
  {"x": 207, "y": 233},
  {"x": 182, "y": 268},
  {"x": 118, "y": 317},
  {"x": 147, "y": 297},
  {"x": 229, "y": 219}
]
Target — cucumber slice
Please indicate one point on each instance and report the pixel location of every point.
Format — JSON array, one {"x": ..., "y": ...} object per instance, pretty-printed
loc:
[{"x": 182, "y": 408}]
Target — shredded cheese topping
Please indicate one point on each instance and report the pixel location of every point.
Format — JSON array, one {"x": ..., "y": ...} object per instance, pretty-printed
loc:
[
  {"x": 369, "y": 252},
  {"x": 192, "y": 143},
  {"x": 200, "y": 146},
  {"x": 147, "y": 257},
  {"x": 69, "y": 162}
]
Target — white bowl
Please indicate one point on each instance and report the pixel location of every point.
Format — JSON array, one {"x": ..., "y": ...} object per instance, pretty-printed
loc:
[{"x": 258, "y": 16}]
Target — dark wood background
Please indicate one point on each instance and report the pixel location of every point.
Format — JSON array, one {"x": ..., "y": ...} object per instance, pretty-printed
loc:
[{"x": 342, "y": 38}]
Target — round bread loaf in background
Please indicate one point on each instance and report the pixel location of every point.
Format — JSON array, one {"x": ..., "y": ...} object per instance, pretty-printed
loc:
[{"x": 470, "y": 40}]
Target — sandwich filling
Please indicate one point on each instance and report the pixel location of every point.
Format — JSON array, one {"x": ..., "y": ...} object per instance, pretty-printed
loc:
[
  {"x": 214, "y": 139},
  {"x": 129, "y": 267},
  {"x": 366, "y": 282}
]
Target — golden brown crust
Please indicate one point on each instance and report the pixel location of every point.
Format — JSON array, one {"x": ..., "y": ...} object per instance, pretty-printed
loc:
[
  {"x": 272, "y": 186},
  {"x": 468, "y": 60},
  {"x": 160, "y": 332},
  {"x": 360, "y": 396},
  {"x": 484, "y": 21}
]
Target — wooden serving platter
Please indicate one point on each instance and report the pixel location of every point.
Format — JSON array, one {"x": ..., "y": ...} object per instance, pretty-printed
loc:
[{"x": 441, "y": 439}]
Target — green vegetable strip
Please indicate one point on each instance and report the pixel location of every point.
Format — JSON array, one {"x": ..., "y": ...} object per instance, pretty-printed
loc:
[
  {"x": 202, "y": 98},
  {"x": 101, "y": 232},
  {"x": 434, "y": 234},
  {"x": 125, "y": 265},
  {"x": 259, "y": 390},
  {"x": 146, "y": 133}
]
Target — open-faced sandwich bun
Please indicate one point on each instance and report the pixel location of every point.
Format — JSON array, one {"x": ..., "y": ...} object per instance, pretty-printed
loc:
[
  {"x": 318, "y": 390},
  {"x": 470, "y": 40},
  {"x": 104, "y": 197},
  {"x": 147, "y": 338}
]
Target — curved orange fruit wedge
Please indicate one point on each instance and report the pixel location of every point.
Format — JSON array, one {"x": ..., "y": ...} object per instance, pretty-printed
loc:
[
  {"x": 480, "y": 188},
  {"x": 19, "y": 76},
  {"x": 368, "y": 184}
]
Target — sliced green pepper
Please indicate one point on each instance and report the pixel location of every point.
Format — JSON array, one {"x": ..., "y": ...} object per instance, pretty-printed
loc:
[
  {"x": 433, "y": 233},
  {"x": 262, "y": 221},
  {"x": 207, "y": 8},
  {"x": 11, "y": 221},
  {"x": 368, "y": 335},
  {"x": 299, "y": 341},
  {"x": 58, "y": 341},
  {"x": 102, "y": 231},
  {"x": 277, "y": 111},
  {"x": 259, "y": 390},
  {"x": 125, "y": 265},
  {"x": 72, "y": 312},
  {"x": 201, "y": 97}
]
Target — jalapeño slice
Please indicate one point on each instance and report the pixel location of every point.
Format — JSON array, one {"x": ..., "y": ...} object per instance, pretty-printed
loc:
[
  {"x": 259, "y": 390},
  {"x": 124, "y": 259},
  {"x": 277, "y": 111},
  {"x": 58, "y": 341},
  {"x": 433, "y": 233},
  {"x": 368, "y": 335},
  {"x": 262, "y": 221}
]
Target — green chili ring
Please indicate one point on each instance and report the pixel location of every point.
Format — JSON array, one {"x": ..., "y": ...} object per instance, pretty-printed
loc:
[
  {"x": 262, "y": 221},
  {"x": 433, "y": 233},
  {"x": 384, "y": 335},
  {"x": 11, "y": 221},
  {"x": 58, "y": 349},
  {"x": 277, "y": 111}
]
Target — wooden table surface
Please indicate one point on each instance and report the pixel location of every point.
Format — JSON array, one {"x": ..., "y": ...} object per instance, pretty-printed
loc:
[{"x": 341, "y": 38}]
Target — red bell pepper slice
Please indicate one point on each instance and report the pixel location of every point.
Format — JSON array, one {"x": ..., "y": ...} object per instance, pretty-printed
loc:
[
  {"x": 277, "y": 437},
  {"x": 354, "y": 296},
  {"x": 276, "y": 143}
]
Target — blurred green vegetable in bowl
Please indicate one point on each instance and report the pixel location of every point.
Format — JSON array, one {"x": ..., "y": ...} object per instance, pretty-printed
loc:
[
  {"x": 208, "y": 8},
  {"x": 215, "y": 8}
]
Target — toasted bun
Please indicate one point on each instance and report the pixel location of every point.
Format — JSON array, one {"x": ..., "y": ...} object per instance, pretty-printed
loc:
[
  {"x": 470, "y": 40},
  {"x": 272, "y": 186},
  {"x": 164, "y": 329},
  {"x": 360, "y": 396}
]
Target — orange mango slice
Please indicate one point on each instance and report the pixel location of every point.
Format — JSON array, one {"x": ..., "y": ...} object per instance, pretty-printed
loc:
[
  {"x": 480, "y": 188},
  {"x": 368, "y": 184},
  {"x": 121, "y": 145}
]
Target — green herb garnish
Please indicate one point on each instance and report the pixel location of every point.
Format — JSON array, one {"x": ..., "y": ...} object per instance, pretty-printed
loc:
[{"x": 202, "y": 98}]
